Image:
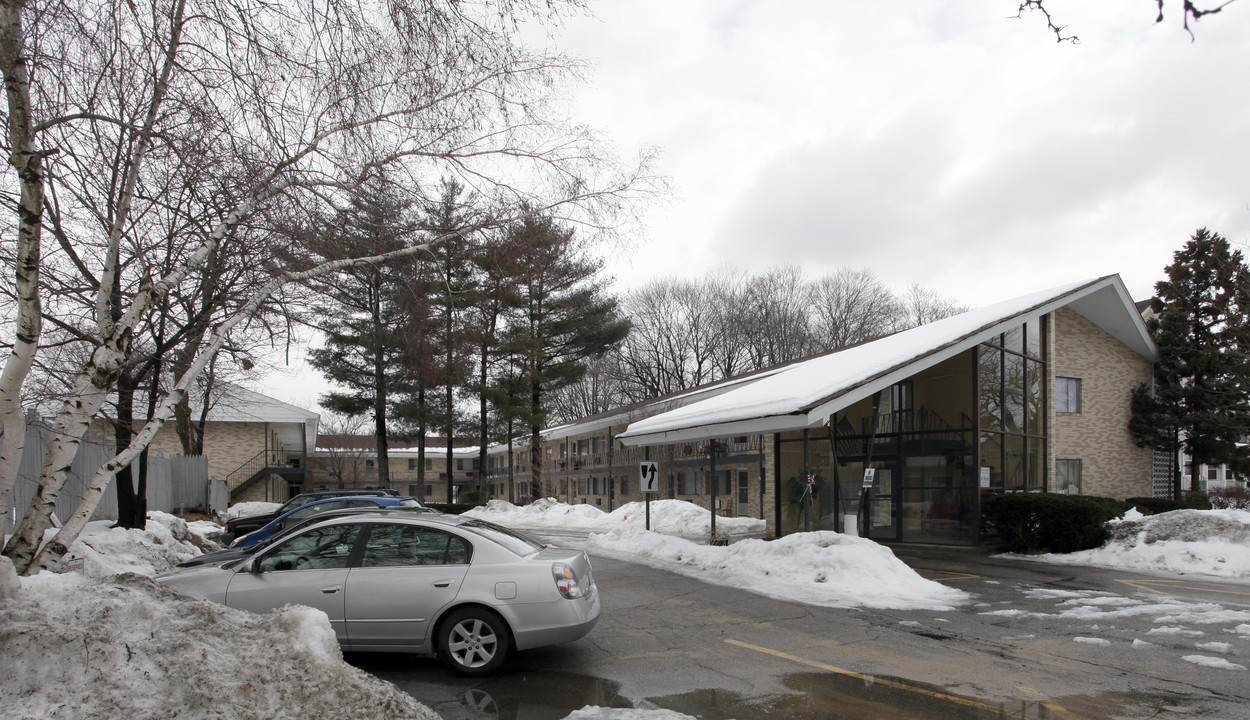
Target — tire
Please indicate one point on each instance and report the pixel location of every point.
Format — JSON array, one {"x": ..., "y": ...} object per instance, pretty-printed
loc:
[{"x": 473, "y": 641}]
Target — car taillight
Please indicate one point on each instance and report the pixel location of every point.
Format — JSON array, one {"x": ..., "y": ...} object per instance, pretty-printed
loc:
[{"x": 567, "y": 581}]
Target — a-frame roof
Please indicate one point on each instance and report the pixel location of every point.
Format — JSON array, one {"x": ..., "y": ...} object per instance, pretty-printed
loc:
[{"x": 805, "y": 394}]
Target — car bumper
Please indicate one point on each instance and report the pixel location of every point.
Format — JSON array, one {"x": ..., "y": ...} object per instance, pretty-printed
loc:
[{"x": 566, "y": 621}]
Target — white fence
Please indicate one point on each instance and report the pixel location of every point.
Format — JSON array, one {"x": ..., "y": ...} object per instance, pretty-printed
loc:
[{"x": 174, "y": 484}]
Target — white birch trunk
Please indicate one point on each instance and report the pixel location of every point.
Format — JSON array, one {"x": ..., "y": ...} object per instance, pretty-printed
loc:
[{"x": 29, "y": 167}]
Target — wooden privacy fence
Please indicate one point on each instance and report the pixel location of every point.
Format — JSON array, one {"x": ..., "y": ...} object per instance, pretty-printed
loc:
[{"x": 174, "y": 484}]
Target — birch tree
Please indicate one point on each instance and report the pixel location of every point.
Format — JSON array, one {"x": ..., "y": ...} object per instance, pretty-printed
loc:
[{"x": 290, "y": 105}]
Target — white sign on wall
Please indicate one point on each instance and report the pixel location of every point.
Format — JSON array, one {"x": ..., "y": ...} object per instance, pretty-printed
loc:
[{"x": 649, "y": 476}]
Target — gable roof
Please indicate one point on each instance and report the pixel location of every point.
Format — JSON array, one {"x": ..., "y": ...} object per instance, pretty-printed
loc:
[{"x": 805, "y": 394}]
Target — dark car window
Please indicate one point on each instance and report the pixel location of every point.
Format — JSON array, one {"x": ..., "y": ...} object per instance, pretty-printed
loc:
[
  {"x": 309, "y": 512},
  {"x": 392, "y": 545},
  {"x": 320, "y": 549}
]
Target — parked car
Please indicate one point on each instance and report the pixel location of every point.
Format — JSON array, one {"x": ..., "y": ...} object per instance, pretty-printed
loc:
[
  {"x": 317, "y": 507},
  {"x": 240, "y": 526},
  {"x": 217, "y": 557},
  {"x": 466, "y": 590}
]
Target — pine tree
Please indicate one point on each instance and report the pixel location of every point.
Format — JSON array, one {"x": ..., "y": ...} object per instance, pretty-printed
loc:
[
  {"x": 1199, "y": 399},
  {"x": 566, "y": 318},
  {"x": 360, "y": 312}
]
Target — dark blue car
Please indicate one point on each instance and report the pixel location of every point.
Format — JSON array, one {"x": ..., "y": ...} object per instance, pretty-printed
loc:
[{"x": 304, "y": 512}]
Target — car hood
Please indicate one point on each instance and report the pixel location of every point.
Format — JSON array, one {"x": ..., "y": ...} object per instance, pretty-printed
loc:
[{"x": 206, "y": 582}]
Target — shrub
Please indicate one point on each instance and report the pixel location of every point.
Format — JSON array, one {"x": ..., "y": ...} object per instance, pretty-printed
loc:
[
  {"x": 1049, "y": 522},
  {"x": 1197, "y": 501},
  {"x": 1153, "y": 505},
  {"x": 1236, "y": 497}
]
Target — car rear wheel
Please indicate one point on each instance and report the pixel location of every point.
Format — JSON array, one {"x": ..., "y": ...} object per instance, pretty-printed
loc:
[{"x": 474, "y": 641}]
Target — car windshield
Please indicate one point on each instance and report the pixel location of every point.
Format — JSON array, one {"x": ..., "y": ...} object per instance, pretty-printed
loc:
[{"x": 514, "y": 541}]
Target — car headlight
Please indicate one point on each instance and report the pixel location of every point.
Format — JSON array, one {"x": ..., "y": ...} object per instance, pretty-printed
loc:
[{"x": 567, "y": 582}]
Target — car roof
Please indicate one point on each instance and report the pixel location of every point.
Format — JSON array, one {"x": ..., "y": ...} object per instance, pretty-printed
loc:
[{"x": 388, "y": 499}]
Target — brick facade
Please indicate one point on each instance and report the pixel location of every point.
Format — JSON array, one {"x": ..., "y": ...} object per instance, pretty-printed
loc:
[{"x": 1111, "y": 463}]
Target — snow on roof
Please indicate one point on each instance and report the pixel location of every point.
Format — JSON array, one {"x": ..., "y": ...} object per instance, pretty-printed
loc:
[{"x": 805, "y": 394}]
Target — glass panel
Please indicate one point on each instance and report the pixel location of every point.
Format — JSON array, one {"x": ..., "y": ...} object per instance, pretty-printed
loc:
[
  {"x": 1013, "y": 391},
  {"x": 1017, "y": 468},
  {"x": 320, "y": 549},
  {"x": 1033, "y": 464},
  {"x": 991, "y": 471},
  {"x": 1033, "y": 338},
  {"x": 1035, "y": 399},
  {"x": 943, "y": 395},
  {"x": 991, "y": 388},
  {"x": 1013, "y": 340}
]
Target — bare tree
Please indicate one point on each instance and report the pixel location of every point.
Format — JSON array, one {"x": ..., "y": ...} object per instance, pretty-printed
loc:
[
  {"x": 1189, "y": 11},
  {"x": 852, "y": 306},
  {"x": 922, "y": 306},
  {"x": 778, "y": 323},
  {"x": 291, "y": 104}
]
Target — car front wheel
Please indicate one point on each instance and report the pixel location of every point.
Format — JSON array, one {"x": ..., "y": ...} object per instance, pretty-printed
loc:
[{"x": 473, "y": 641}]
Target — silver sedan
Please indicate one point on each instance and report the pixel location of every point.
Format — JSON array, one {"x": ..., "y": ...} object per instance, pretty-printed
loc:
[{"x": 464, "y": 589}]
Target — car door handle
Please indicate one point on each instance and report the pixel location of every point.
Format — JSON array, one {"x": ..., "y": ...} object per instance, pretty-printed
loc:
[
  {"x": 331, "y": 589},
  {"x": 444, "y": 583}
]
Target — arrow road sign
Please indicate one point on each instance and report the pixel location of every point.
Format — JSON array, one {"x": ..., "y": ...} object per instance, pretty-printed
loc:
[{"x": 649, "y": 476}]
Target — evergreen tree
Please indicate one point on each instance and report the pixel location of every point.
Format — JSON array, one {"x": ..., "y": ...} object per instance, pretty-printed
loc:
[
  {"x": 456, "y": 292},
  {"x": 566, "y": 318},
  {"x": 1199, "y": 399},
  {"x": 360, "y": 311}
]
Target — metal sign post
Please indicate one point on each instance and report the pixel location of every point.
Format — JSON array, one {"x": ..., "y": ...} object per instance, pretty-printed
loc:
[{"x": 649, "y": 482}]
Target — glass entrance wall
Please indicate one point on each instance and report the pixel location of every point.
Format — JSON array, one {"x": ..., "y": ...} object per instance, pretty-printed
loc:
[
  {"x": 1012, "y": 405},
  {"x": 921, "y": 447}
]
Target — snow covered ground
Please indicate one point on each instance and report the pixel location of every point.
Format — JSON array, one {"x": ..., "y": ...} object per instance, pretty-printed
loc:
[
  {"x": 817, "y": 568},
  {"x": 99, "y": 644}
]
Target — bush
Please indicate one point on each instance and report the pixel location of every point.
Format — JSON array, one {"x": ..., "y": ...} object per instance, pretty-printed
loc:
[
  {"x": 1049, "y": 522},
  {"x": 1236, "y": 497},
  {"x": 1153, "y": 505},
  {"x": 1197, "y": 501}
]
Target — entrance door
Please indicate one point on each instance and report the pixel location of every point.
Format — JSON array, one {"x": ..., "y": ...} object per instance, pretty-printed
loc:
[
  {"x": 744, "y": 493},
  {"x": 882, "y": 517}
]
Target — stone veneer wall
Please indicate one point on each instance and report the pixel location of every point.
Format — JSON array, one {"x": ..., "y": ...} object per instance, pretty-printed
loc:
[{"x": 1111, "y": 463}]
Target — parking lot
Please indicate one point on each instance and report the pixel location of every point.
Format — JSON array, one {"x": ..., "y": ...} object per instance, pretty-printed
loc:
[{"x": 1037, "y": 641}]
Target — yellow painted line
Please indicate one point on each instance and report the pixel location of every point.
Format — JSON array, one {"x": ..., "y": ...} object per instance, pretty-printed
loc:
[
  {"x": 945, "y": 575},
  {"x": 1145, "y": 585},
  {"x": 956, "y": 699}
]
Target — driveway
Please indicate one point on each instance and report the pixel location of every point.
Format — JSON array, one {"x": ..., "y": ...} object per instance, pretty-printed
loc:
[{"x": 1038, "y": 641}]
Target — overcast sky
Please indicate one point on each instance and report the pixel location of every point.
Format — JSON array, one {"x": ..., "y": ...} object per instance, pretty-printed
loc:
[
  {"x": 942, "y": 143},
  {"x": 936, "y": 142}
]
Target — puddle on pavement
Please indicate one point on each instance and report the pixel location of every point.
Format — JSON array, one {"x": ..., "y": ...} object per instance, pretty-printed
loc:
[
  {"x": 829, "y": 696},
  {"x": 554, "y": 694},
  {"x": 511, "y": 695}
]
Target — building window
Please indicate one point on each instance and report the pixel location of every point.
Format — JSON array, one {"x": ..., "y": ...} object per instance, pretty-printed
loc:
[
  {"x": 740, "y": 444},
  {"x": 688, "y": 483},
  {"x": 412, "y": 491},
  {"x": 596, "y": 445},
  {"x": 1068, "y": 476},
  {"x": 412, "y": 463},
  {"x": 368, "y": 463},
  {"x": 600, "y": 486},
  {"x": 1067, "y": 395},
  {"x": 583, "y": 486},
  {"x": 429, "y": 463}
]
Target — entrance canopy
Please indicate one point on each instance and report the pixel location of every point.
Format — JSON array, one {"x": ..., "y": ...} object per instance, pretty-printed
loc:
[{"x": 805, "y": 394}]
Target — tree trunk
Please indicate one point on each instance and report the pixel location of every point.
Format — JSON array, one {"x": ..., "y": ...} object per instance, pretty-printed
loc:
[{"x": 30, "y": 173}]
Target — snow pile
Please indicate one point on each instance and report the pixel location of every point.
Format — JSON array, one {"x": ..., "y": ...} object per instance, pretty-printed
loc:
[
  {"x": 669, "y": 517},
  {"x": 166, "y": 540},
  {"x": 1200, "y": 542},
  {"x": 817, "y": 568},
  {"x": 248, "y": 509},
  {"x": 79, "y": 647}
]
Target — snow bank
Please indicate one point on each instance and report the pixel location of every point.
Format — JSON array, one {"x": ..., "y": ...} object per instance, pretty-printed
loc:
[
  {"x": 1201, "y": 542},
  {"x": 80, "y": 647},
  {"x": 669, "y": 517},
  {"x": 166, "y": 540},
  {"x": 818, "y": 568}
]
